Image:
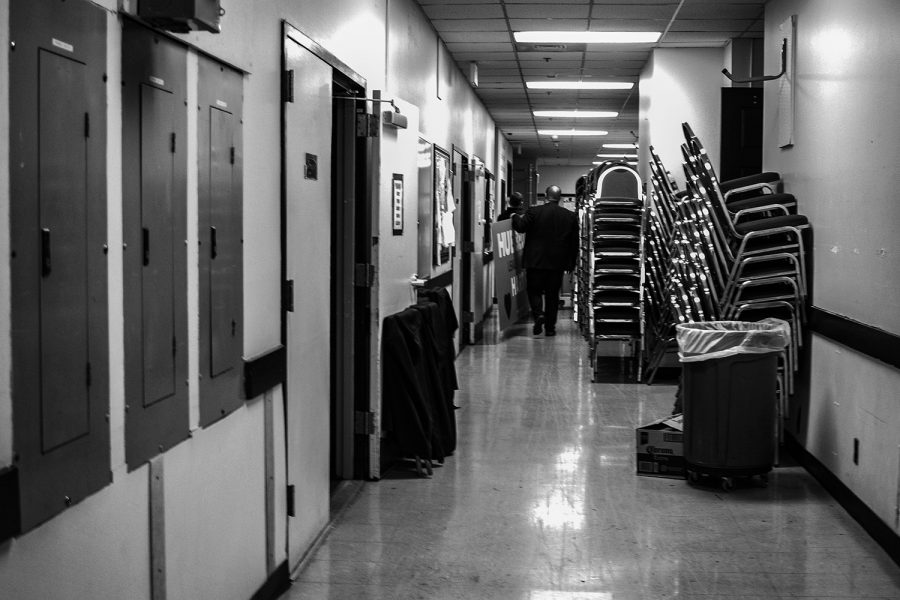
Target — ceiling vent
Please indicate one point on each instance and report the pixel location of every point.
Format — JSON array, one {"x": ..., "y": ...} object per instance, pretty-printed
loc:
[{"x": 546, "y": 47}]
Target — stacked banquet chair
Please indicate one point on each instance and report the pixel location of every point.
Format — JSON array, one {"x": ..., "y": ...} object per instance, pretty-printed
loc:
[
  {"x": 722, "y": 251},
  {"x": 580, "y": 295},
  {"x": 611, "y": 262}
]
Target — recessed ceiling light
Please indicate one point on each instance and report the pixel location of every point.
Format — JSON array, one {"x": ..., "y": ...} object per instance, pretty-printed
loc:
[
  {"x": 617, "y": 155},
  {"x": 587, "y": 37},
  {"x": 620, "y": 145},
  {"x": 579, "y": 85},
  {"x": 571, "y": 132},
  {"x": 578, "y": 114}
]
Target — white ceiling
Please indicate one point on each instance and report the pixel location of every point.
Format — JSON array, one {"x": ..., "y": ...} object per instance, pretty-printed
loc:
[{"x": 481, "y": 31}]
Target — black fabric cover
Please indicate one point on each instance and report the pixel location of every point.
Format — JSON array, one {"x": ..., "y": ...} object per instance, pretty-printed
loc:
[
  {"x": 407, "y": 415},
  {"x": 419, "y": 377}
]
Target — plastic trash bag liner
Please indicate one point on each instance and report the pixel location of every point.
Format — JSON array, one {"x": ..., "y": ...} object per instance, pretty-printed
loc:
[{"x": 708, "y": 340}]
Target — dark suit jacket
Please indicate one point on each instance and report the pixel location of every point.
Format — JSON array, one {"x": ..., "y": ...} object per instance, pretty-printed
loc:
[{"x": 551, "y": 236}]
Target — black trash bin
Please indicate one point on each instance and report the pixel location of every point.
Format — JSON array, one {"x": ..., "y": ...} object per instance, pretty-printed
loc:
[{"x": 729, "y": 388}]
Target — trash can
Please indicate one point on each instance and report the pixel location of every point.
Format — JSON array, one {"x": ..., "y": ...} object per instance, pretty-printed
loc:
[{"x": 729, "y": 390}]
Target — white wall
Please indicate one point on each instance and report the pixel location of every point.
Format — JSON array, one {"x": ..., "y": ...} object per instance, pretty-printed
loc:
[
  {"x": 565, "y": 176},
  {"x": 843, "y": 169},
  {"x": 678, "y": 85}
]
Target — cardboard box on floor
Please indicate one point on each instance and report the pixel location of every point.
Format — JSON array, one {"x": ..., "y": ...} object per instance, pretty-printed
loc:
[{"x": 660, "y": 450}]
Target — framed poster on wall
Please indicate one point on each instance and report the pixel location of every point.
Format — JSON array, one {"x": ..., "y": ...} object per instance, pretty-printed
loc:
[{"x": 444, "y": 205}]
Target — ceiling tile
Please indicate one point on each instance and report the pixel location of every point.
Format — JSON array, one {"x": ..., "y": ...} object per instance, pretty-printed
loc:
[
  {"x": 629, "y": 25},
  {"x": 463, "y": 11},
  {"x": 469, "y": 25},
  {"x": 561, "y": 10},
  {"x": 714, "y": 25},
  {"x": 477, "y": 30},
  {"x": 633, "y": 11},
  {"x": 475, "y": 36},
  {"x": 755, "y": 10},
  {"x": 478, "y": 47},
  {"x": 548, "y": 24}
]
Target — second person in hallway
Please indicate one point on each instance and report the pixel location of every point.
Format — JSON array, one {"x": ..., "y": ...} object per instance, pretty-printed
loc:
[{"x": 551, "y": 246}]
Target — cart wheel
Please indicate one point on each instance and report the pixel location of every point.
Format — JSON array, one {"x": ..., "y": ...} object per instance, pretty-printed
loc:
[
  {"x": 693, "y": 476},
  {"x": 727, "y": 484}
]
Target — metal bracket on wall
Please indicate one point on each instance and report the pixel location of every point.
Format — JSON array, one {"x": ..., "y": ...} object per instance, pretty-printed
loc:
[{"x": 784, "y": 51}]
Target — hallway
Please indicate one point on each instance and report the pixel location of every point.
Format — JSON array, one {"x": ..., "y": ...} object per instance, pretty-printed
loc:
[{"x": 541, "y": 502}]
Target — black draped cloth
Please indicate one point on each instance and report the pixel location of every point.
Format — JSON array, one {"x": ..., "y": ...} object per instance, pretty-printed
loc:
[{"x": 419, "y": 377}]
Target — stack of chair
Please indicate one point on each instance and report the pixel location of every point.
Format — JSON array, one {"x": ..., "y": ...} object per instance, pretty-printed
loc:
[
  {"x": 727, "y": 251},
  {"x": 610, "y": 260}
]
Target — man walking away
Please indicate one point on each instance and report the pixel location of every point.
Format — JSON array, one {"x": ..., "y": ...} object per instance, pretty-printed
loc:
[{"x": 551, "y": 247}]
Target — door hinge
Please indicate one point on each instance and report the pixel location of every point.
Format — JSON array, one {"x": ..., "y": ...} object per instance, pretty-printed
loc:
[
  {"x": 87, "y": 125},
  {"x": 88, "y": 375},
  {"x": 290, "y": 501},
  {"x": 287, "y": 295},
  {"x": 366, "y": 125},
  {"x": 172, "y": 148},
  {"x": 468, "y": 316},
  {"x": 287, "y": 86},
  {"x": 364, "y": 423},
  {"x": 174, "y": 345},
  {"x": 364, "y": 275},
  {"x": 232, "y": 155}
]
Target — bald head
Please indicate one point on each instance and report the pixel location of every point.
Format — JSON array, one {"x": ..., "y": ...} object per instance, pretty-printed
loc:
[{"x": 553, "y": 193}]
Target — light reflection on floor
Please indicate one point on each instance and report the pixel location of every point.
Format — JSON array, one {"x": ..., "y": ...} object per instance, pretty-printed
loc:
[{"x": 541, "y": 502}]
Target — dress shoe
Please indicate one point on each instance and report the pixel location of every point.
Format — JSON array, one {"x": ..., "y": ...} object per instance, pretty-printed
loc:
[
  {"x": 538, "y": 326},
  {"x": 550, "y": 332}
]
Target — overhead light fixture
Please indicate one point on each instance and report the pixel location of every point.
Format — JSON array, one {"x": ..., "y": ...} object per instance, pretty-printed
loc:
[
  {"x": 579, "y": 85},
  {"x": 628, "y": 162},
  {"x": 577, "y": 114},
  {"x": 617, "y": 155},
  {"x": 571, "y": 132},
  {"x": 620, "y": 146},
  {"x": 587, "y": 37}
]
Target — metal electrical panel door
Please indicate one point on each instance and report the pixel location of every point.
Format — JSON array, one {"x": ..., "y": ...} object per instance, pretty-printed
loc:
[
  {"x": 154, "y": 136},
  {"x": 220, "y": 231},
  {"x": 60, "y": 380}
]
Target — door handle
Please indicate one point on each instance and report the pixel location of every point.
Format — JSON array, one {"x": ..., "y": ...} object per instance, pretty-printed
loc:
[{"x": 46, "y": 263}]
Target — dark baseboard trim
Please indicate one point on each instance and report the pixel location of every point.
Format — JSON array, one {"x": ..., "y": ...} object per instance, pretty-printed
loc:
[
  {"x": 278, "y": 583},
  {"x": 442, "y": 280},
  {"x": 264, "y": 372},
  {"x": 871, "y": 341},
  {"x": 880, "y": 531},
  {"x": 10, "y": 520}
]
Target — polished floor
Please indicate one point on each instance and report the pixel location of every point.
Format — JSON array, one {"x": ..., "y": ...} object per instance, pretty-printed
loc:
[{"x": 541, "y": 502}]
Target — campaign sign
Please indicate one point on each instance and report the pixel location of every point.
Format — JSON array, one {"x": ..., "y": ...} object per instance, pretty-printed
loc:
[{"x": 509, "y": 273}]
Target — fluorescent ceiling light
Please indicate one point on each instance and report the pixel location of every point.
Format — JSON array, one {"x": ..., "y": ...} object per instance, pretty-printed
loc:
[
  {"x": 579, "y": 85},
  {"x": 587, "y": 37},
  {"x": 620, "y": 145},
  {"x": 617, "y": 156},
  {"x": 630, "y": 162},
  {"x": 578, "y": 114},
  {"x": 571, "y": 132}
]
